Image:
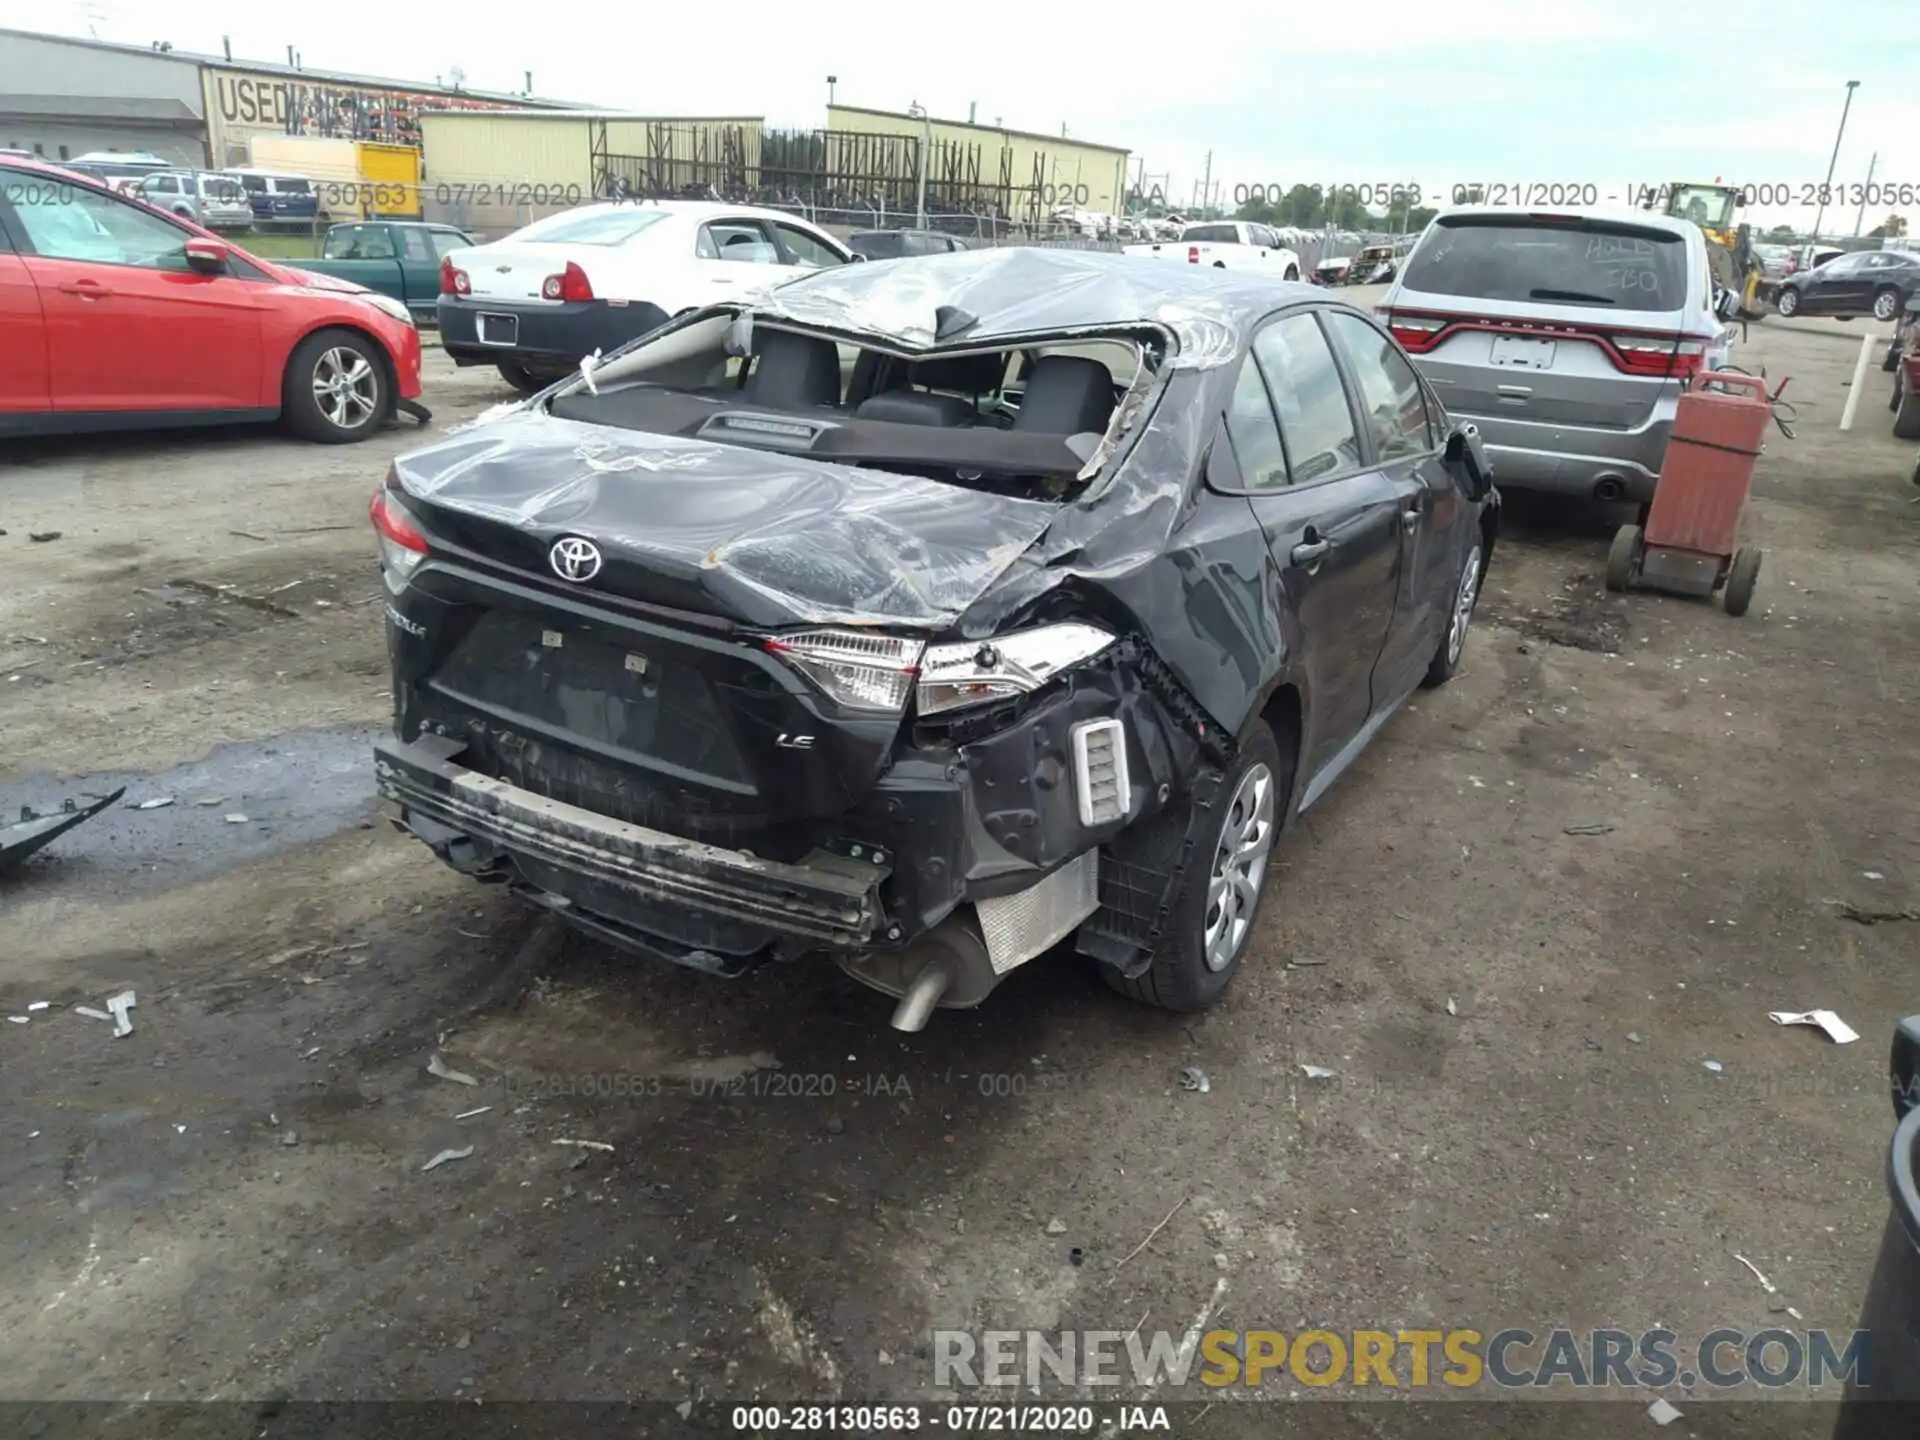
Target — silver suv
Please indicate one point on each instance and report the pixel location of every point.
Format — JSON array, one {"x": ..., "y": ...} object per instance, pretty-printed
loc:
[
  {"x": 1565, "y": 337},
  {"x": 213, "y": 200}
]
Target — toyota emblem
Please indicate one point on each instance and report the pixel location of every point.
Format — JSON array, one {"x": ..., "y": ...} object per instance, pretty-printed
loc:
[{"x": 574, "y": 559}]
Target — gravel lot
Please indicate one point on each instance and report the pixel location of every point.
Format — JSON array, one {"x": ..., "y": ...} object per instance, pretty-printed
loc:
[{"x": 1522, "y": 1130}]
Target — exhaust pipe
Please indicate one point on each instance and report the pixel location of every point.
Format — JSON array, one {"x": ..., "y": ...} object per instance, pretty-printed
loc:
[
  {"x": 946, "y": 968},
  {"x": 1610, "y": 487}
]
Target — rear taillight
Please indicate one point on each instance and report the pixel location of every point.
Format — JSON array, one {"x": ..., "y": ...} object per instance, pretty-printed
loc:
[
  {"x": 571, "y": 284},
  {"x": 453, "y": 280},
  {"x": 1416, "y": 333},
  {"x": 1193, "y": 254},
  {"x": 860, "y": 670},
  {"x": 1657, "y": 355},
  {"x": 403, "y": 545}
]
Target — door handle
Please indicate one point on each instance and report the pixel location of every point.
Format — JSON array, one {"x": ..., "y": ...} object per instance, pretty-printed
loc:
[
  {"x": 91, "y": 289},
  {"x": 1310, "y": 552}
]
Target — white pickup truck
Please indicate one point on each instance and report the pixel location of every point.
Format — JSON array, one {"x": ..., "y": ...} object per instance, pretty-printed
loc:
[{"x": 1226, "y": 245}]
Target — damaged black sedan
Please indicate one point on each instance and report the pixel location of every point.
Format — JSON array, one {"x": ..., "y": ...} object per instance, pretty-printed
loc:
[{"x": 927, "y": 613}]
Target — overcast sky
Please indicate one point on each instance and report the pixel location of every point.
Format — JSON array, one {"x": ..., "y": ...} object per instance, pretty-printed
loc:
[{"x": 1519, "y": 91}]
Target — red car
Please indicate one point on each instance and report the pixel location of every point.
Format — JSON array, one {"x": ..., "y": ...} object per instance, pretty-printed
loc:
[{"x": 116, "y": 316}]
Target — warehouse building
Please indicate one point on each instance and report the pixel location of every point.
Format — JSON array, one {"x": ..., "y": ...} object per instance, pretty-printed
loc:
[
  {"x": 61, "y": 97},
  {"x": 489, "y": 173},
  {"x": 1037, "y": 174}
]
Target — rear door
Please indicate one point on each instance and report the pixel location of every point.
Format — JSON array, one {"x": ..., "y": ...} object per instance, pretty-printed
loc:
[
  {"x": 1331, "y": 521},
  {"x": 1837, "y": 287},
  {"x": 1405, "y": 443},
  {"x": 129, "y": 326},
  {"x": 1523, "y": 307}
]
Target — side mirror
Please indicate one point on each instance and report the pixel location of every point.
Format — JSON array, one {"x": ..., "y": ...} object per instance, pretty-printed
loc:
[
  {"x": 857, "y": 259},
  {"x": 1466, "y": 456},
  {"x": 209, "y": 257}
]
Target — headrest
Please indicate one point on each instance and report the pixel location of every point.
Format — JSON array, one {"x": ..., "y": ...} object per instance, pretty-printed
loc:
[
  {"x": 1066, "y": 395},
  {"x": 914, "y": 407}
]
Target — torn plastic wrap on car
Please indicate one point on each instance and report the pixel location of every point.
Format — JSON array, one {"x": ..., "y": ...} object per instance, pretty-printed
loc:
[
  {"x": 1015, "y": 290},
  {"x": 771, "y": 540}
]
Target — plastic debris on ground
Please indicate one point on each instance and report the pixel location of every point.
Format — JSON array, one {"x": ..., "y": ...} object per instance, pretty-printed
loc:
[
  {"x": 1837, "y": 1030},
  {"x": 1662, "y": 1413},
  {"x": 1714, "y": 1065},
  {"x": 158, "y": 802},
  {"x": 1195, "y": 1079},
  {"x": 118, "y": 1006},
  {"x": 446, "y": 1156},
  {"x": 1765, "y": 1283},
  {"x": 437, "y": 1066},
  {"x": 586, "y": 1144},
  {"x": 1317, "y": 1072}
]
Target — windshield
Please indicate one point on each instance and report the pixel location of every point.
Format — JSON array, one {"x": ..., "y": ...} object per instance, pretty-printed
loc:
[
  {"x": 607, "y": 227},
  {"x": 1577, "y": 262},
  {"x": 1708, "y": 206}
]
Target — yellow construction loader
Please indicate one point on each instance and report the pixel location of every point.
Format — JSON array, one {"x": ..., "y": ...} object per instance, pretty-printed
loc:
[{"x": 1715, "y": 208}]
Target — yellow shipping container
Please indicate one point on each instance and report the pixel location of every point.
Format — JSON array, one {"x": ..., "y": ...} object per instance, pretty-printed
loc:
[{"x": 391, "y": 174}]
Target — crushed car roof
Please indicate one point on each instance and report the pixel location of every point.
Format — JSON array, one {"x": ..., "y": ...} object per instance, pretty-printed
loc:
[{"x": 1019, "y": 290}]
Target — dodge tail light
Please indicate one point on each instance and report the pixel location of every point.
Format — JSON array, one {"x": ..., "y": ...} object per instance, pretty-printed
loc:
[
  {"x": 1658, "y": 355},
  {"x": 1416, "y": 333}
]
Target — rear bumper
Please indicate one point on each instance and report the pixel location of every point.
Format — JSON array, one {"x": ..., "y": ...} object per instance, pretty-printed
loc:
[
  {"x": 473, "y": 820},
  {"x": 1575, "y": 460},
  {"x": 555, "y": 337}
]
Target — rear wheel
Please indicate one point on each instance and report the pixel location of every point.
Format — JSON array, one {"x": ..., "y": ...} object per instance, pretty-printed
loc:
[
  {"x": 1788, "y": 303},
  {"x": 1213, "y": 919},
  {"x": 1886, "y": 304},
  {"x": 336, "y": 388},
  {"x": 1741, "y": 578},
  {"x": 1293, "y": 272},
  {"x": 1624, "y": 557},
  {"x": 520, "y": 378},
  {"x": 1466, "y": 595}
]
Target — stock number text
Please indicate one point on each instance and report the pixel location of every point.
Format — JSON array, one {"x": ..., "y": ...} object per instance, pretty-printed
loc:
[{"x": 1369, "y": 195}]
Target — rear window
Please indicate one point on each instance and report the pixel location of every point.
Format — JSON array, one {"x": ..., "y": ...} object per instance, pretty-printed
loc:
[
  {"x": 1532, "y": 262},
  {"x": 293, "y": 187},
  {"x": 254, "y": 184},
  {"x": 610, "y": 227}
]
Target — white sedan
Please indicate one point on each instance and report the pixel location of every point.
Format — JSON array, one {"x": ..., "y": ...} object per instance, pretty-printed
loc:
[{"x": 538, "y": 302}]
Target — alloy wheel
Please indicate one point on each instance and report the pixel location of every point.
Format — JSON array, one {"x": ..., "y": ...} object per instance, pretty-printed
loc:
[
  {"x": 1239, "y": 867},
  {"x": 345, "y": 387},
  {"x": 1463, "y": 602}
]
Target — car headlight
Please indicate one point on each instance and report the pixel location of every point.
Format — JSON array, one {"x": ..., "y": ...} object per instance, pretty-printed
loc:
[
  {"x": 389, "y": 306},
  {"x": 980, "y": 672}
]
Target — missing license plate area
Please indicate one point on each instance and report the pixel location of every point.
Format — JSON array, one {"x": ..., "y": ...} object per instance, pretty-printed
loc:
[
  {"x": 1519, "y": 353},
  {"x": 499, "y": 329}
]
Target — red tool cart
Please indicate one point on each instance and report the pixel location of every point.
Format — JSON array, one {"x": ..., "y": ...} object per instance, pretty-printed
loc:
[{"x": 1689, "y": 546}]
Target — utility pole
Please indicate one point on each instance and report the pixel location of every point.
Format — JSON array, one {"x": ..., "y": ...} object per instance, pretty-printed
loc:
[
  {"x": 832, "y": 80},
  {"x": 919, "y": 112},
  {"x": 1820, "y": 214},
  {"x": 1861, "y": 219},
  {"x": 1206, "y": 182}
]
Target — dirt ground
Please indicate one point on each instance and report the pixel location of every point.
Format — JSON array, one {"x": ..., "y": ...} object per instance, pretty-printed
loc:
[{"x": 1523, "y": 1129}]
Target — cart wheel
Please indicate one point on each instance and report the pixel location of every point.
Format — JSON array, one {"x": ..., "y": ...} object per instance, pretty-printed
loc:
[
  {"x": 1741, "y": 578},
  {"x": 1624, "y": 558}
]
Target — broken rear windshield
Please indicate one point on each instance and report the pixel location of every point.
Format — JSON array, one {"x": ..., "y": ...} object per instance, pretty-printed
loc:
[{"x": 1536, "y": 262}]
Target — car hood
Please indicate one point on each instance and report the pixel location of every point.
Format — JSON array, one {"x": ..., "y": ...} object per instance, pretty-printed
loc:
[
  {"x": 758, "y": 537},
  {"x": 315, "y": 280}
]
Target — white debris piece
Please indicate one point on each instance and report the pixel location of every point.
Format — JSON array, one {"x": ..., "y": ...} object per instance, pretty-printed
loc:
[
  {"x": 1452, "y": 1009},
  {"x": 1317, "y": 1072},
  {"x": 439, "y": 1067},
  {"x": 1662, "y": 1413},
  {"x": 118, "y": 1006},
  {"x": 446, "y": 1155},
  {"x": 586, "y": 1144},
  {"x": 236, "y": 818},
  {"x": 158, "y": 802},
  {"x": 38, "y": 1005},
  {"x": 1714, "y": 1065},
  {"x": 91, "y": 1013},
  {"x": 1765, "y": 1283},
  {"x": 1837, "y": 1029},
  {"x": 17, "y": 1019}
]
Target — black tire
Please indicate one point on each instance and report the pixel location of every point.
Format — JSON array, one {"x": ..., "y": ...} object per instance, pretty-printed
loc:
[
  {"x": 1787, "y": 302},
  {"x": 1741, "y": 577},
  {"x": 1886, "y": 304},
  {"x": 1623, "y": 558},
  {"x": 521, "y": 378},
  {"x": 300, "y": 399},
  {"x": 1891, "y": 361},
  {"x": 1180, "y": 978},
  {"x": 1906, "y": 419},
  {"x": 1453, "y": 640}
]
